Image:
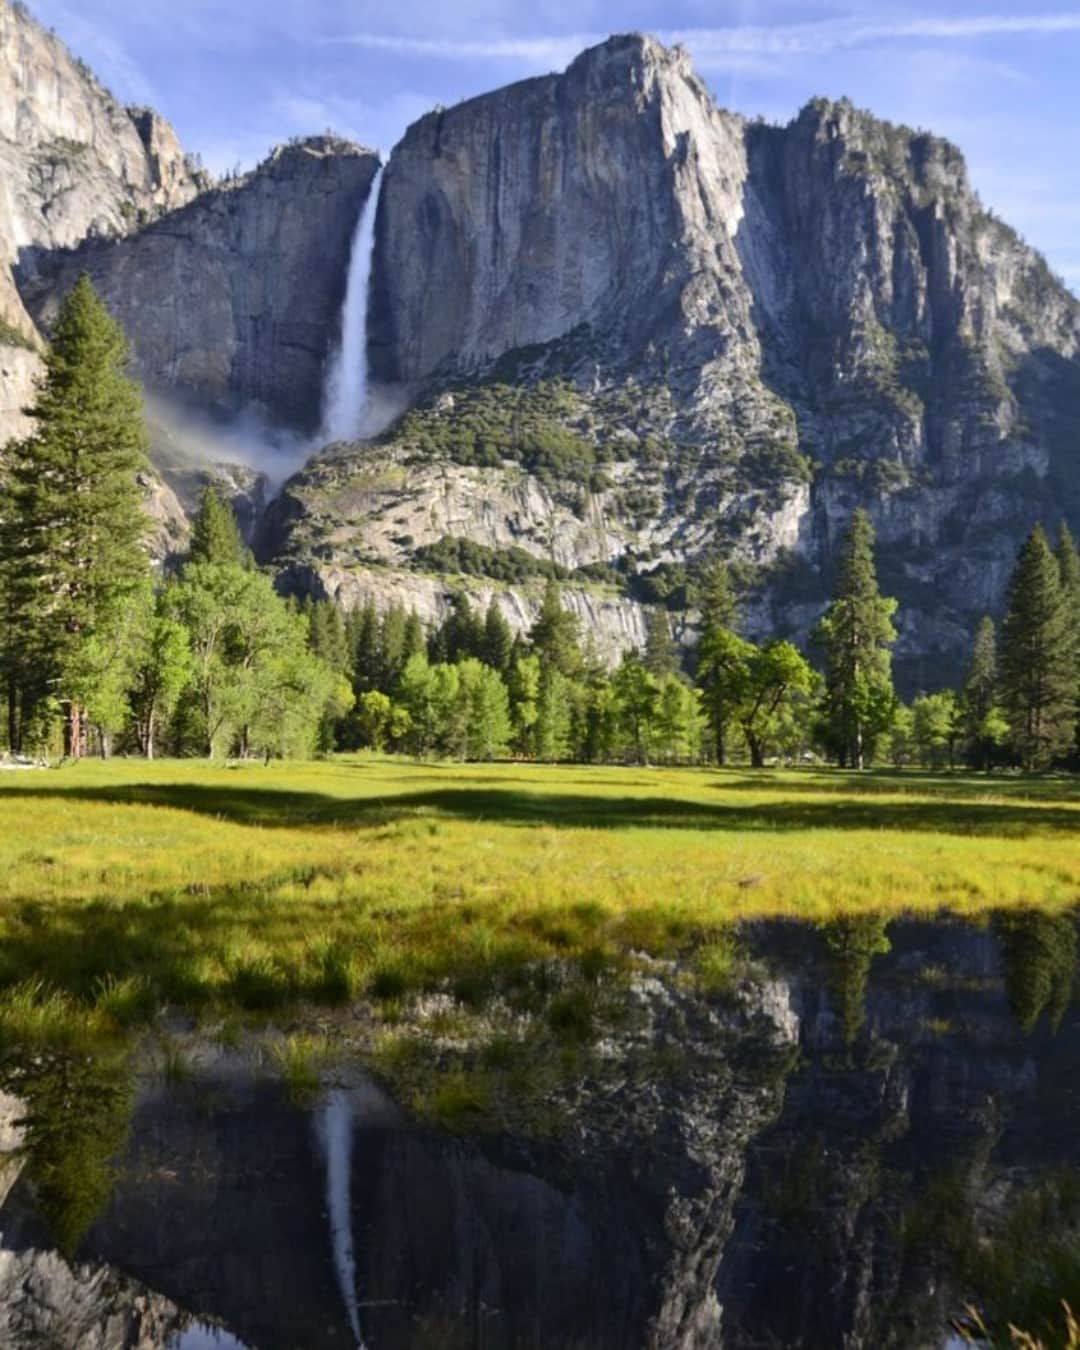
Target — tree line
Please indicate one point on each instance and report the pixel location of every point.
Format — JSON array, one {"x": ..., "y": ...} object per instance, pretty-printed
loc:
[{"x": 97, "y": 652}]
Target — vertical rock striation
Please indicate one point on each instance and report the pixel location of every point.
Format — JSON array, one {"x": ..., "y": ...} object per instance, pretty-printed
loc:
[
  {"x": 74, "y": 162},
  {"x": 740, "y": 331},
  {"x": 234, "y": 302}
]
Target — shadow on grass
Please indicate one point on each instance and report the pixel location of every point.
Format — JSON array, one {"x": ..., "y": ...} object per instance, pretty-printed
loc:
[
  {"x": 992, "y": 815},
  {"x": 1015, "y": 787}
]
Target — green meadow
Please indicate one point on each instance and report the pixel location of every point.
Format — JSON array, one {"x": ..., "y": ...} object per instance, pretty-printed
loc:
[
  {"x": 127, "y": 886},
  {"x": 465, "y": 932}
]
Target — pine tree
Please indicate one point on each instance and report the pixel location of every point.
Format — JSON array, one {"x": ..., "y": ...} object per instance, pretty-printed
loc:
[
  {"x": 392, "y": 645},
  {"x": 1038, "y": 678},
  {"x": 980, "y": 694},
  {"x": 659, "y": 656},
  {"x": 1069, "y": 565},
  {"x": 71, "y": 548},
  {"x": 555, "y": 634},
  {"x": 498, "y": 639},
  {"x": 719, "y": 608},
  {"x": 719, "y": 622},
  {"x": 215, "y": 535},
  {"x": 461, "y": 634},
  {"x": 366, "y": 647},
  {"x": 413, "y": 640},
  {"x": 857, "y": 633},
  {"x": 326, "y": 636}
]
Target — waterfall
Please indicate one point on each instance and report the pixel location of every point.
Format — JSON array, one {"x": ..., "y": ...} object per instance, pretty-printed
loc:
[
  {"x": 345, "y": 395},
  {"x": 336, "y": 1133}
]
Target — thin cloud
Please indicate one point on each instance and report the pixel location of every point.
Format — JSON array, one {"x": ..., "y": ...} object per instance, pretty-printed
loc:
[
  {"x": 818, "y": 39},
  {"x": 725, "y": 47},
  {"x": 107, "y": 56},
  {"x": 536, "y": 50}
]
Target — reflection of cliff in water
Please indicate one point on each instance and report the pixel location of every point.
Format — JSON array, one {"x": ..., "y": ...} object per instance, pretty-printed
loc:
[{"x": 876, "y": 1125}]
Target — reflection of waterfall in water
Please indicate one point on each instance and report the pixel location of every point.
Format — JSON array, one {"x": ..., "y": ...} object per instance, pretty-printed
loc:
[
  {"x": 336, "y": 1135},
  {"x": 346, "y": 393},
  {"x": 202, "y": 1337}
]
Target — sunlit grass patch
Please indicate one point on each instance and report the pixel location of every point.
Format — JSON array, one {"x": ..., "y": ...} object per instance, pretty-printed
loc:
[
  {"x": 300, "y": 1061},
  {"x": 128, "y": 887},
  {"x": 716, "y": 963}
]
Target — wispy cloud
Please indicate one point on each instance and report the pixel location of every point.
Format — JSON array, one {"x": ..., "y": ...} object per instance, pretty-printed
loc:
[
  {"x": 727, "y": 45},
  {"x": 538, "y": 51},
  {"x": 105, "y": 53},
  {"x": 831, "y": 35}
]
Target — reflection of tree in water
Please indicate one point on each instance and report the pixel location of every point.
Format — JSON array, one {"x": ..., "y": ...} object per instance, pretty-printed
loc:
[
  {"x": 853, "y": 943},
  {"x": 78, "y": 1108},
  {"x": 1038, "y": 956}
]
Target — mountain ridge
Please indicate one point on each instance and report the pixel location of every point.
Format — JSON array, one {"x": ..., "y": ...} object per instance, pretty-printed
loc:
[{"x": 632, "y": 331}]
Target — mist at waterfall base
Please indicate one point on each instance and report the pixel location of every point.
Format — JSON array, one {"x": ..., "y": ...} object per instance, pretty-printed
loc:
[{"x": 351, "y": 408}]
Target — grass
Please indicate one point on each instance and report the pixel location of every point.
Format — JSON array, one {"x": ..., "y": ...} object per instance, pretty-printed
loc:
[
  {"x": 479, "y": 921},
  {"x": 299, "y": 1060},
  {"x": 128, "y": 886}
]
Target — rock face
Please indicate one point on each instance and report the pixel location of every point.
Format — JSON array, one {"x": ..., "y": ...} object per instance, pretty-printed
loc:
[
  {"x": 74, "y": 163},
  {"x": 44, "y": 1301},
  {"x": 233, "y": 302},
  {"x": 615, "y": 623},
  {"x": 630, "y": 331},
  {"x": 762, "y": 321}
]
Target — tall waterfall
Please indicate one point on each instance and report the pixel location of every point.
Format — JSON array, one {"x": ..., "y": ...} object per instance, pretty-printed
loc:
[
  {"x": 336, "y": 1134},
  {"x": 346, "y": 392}
]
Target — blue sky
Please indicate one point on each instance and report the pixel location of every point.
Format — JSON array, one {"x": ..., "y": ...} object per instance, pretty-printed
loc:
[{"x": 1001, "y": 80}]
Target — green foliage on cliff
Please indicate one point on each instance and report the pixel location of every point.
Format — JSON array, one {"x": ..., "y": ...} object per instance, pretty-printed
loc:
[
  {"x": 10, "y": 336},
  {"x": 454, "y": 554},
  {"x": 774, "y": 463},
  {"x": 488, "y": 425}
]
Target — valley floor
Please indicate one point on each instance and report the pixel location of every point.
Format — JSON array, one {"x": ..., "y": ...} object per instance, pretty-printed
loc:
[
  {"x": 562, "y": 978},
  {"x": 130, "y": 884}
]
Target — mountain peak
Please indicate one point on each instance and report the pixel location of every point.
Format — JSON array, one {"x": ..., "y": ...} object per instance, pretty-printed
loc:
[{"x": 636, "y": 56}]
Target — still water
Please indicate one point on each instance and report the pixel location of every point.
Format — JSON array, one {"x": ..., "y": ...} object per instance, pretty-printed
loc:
[{"x": 876, "y": 1126}]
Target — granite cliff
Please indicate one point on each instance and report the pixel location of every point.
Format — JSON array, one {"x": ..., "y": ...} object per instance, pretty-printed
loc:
[
  {"x": 618, "y": 330},
  {"x": 231, "y": 304},
  {"x": 74, "y": 163},
  {"x": 638, "y": 330}
]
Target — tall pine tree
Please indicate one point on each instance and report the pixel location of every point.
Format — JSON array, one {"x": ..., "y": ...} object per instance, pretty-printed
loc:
[
  {"x": 719, "y": 607},
  {"x": 498, "y": 639},
  {"x": 980, "y": 695},
  {"x": 215, "y": 535},
  {"x": 1069, "y": 565},
  {"x": 719, "y": 624},
  {"x": 1038, "y": 678},
  {"x": 857, "y": 633},
  {"x": 659, "y": 657},
  {"x": 71, "y": 548}
]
